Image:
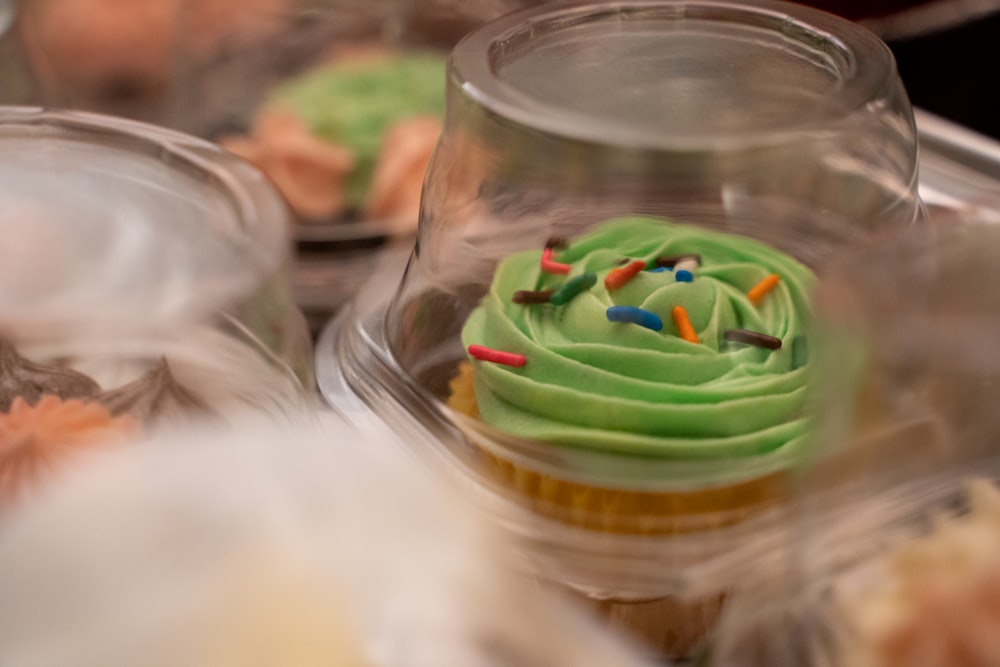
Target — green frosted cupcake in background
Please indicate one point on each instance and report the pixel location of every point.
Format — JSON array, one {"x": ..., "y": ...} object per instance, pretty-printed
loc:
[{"x": 353, "y": 135}]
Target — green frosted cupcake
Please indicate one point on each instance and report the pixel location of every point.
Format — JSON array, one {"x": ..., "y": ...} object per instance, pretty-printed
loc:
[
  {"x": 640, "y": 388},
  {"x": 351, "y": 136}
]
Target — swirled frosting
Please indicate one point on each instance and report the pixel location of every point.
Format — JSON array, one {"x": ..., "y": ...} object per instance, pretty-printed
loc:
[{"x": 618, "y": 386}]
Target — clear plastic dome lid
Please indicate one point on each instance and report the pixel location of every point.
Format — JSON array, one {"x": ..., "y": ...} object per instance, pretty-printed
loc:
[
  {"x": 684, "y": 74},
  {"x": 143, "y": 270},
  {"x": 892, "y": 536},
  {"x": 127, "y": 225},
  {"x": 563, "y": 118},
  {"x": 596, "y": 243}
]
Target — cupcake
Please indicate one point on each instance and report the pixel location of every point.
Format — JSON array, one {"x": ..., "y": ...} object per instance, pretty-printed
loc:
[
  {"x": 645, "y": 341},
  {"x": 931, "y": 600},
  {"x": 882, "y": 587},
  {"x": 351, "y": 136},
  {"x": 51, "y": 415},
  {"x": 106, "y": 52}
]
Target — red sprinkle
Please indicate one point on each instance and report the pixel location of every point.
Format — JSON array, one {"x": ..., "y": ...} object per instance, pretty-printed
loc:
[
  {"x": 619, "y": 277},
  {"x": 551, "y": 266},
  {"x": 497, "y": 357}
]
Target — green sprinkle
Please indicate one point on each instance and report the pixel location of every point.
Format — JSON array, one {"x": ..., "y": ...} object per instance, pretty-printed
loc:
[{"x": 572, "y": 287}]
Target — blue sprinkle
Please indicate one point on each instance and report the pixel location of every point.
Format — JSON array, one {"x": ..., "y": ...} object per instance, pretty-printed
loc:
[
  {"x": 684, "y": 276},
  {"x": 633, "y": 315},
  {"x": 660, "y": 269}
]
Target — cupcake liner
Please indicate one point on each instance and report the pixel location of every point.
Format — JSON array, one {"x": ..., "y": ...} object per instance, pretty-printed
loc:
[
  {"x": 614, "y": 510},
  {"x": 673, "y": 626}
]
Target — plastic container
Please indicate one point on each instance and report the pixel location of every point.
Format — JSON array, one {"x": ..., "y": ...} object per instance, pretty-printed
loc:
[
  {"x": 135, "y": 253},
  {"x": 268, "y": 546},
  {"x": 772, "y": 122},
  {"x": 886, "y": 556},
  {"x": 209, "y": 67}
]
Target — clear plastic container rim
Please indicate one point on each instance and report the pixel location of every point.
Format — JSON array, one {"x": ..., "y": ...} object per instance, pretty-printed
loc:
[
  {"x": 868, "y": 65},
  {"x": 260, "y": 212}
]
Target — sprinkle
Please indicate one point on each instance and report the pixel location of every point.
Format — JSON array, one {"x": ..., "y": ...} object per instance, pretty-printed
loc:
[
  {"x": 683, "y": 322},
  {"x": 550, "y": 266},
  {"x": 572, "y": 287},
  {"x": 496, "y": 356},
  {"x": 556, "y": 242},
  {"x": 633, "y": 315},
  {"x": 800, "y": 352},
  {"x": 623, "y": 261},
  {"x": 620, "y": 277},
  {"x": 760, "y": 290},
  {"x": 752, "y": 338},
  {"x": 660, "y": 269},
  {"x": 688, "y": 263},
  {"x": 526, "y": 296},
  {"x": 671, "y": 260},
  {"x": 684, "y": 268}
]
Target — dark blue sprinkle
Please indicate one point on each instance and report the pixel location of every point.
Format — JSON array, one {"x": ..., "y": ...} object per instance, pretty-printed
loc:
[{"x": 633, "y": 315}]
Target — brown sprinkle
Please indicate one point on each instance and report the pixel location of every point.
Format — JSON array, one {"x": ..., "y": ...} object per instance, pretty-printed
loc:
[
  {"x": 556, "y": 242},
  {"x": 525, "y": 296},
  {"x": 753, "y": 338},
  {"x": 671, "y": 261}
]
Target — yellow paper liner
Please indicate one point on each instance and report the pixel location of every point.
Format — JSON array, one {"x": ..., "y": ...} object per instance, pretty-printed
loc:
[
  {"x": 675, "y": 627},
  {"x": 620, "y": 510}
]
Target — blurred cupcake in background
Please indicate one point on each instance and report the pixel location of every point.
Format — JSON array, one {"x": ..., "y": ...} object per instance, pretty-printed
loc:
[
  {"x": 221, "y": 548},
  {"x": 90, "y": 51},
  {"x": 351, "y": 138}
]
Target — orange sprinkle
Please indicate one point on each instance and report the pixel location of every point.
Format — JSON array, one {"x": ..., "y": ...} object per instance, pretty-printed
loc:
[
  {"x": 760, "y": 290},
  {"x": 683, "y": 322},
  {"x": 617, "y": 278},
  {"x": 33, "y": 438}
]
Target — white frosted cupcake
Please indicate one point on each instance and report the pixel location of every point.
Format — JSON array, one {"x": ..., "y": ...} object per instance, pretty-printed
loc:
[{"x": 264, "y": 547}]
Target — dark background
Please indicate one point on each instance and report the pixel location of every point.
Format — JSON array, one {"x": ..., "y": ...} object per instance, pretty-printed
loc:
[
  {"x": 955, "y": 73},
  {"x": 950, "y": 69}
]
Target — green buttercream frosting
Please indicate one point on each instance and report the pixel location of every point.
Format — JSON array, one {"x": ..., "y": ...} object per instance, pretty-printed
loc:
[
  {"x": 618, "y": 386},
  {"x": 354, "y": 104}
]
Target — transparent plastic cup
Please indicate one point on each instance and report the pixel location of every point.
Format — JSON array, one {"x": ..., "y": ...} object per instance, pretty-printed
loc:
[
  {"x": 770, "y": 122},
  {"x": 213, "y": 68},
  {"x": 131, "y": 248},
  {"x": 888, "y": 530}
]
